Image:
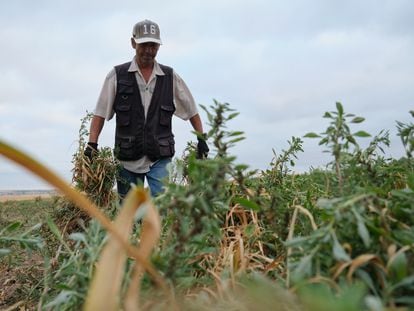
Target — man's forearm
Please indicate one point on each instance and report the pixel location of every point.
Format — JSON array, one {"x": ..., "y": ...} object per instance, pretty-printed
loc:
[
  {"x": 196, "y": 123},
  {"x": 96, "y": 128}
]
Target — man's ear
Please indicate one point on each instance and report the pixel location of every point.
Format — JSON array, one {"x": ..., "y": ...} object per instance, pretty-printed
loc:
[{"x": 133, "y": 43}]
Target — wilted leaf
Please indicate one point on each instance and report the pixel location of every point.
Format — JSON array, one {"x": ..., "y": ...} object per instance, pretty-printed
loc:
[{"x": 360, "y": 261}]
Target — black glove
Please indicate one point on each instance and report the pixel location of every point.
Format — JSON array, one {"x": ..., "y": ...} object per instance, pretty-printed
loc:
[
  {"x": 202, "y": 148},
  {"x": 91, "y": 150}
]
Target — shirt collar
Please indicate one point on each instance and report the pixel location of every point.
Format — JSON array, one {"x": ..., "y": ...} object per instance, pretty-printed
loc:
[{"x": 157, "y": 69}]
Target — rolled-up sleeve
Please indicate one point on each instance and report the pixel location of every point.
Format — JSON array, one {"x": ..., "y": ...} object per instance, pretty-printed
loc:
[
  {"x": 104, "y": 106},
  {"x": 185, "y": 106}
]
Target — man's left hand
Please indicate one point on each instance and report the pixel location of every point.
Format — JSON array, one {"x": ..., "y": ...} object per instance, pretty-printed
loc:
[{"x": 202, "y": 148}]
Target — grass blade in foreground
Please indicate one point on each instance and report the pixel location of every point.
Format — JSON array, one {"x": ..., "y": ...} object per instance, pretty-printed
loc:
[{"x": 104, "y": 291}]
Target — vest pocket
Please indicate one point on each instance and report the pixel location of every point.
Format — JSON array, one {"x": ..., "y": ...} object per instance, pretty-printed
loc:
[
  {"x": 166, "y": 147},
  {"x": 124, "y": 148},
  {"x": 122, "y": 114},
  {"x": 166, "y": 113},
  {"x": 125, "y": 87}
]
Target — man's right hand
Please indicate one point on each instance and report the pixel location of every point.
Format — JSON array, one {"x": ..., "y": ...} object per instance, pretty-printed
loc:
[{"x": 91, "y": 150}]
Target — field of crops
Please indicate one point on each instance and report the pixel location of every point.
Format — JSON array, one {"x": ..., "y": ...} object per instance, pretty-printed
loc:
[{"x": 221, "y": 237}]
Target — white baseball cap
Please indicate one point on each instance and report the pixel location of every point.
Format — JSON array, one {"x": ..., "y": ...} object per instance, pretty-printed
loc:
[{"x": 146, "y": 31}]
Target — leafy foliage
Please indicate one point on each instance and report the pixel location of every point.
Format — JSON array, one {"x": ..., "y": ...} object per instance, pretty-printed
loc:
[{"x": 338, "y": 238}]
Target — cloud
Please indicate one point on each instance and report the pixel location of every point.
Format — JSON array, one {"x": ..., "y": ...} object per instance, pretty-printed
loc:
[{"x": 281, "y": 65}]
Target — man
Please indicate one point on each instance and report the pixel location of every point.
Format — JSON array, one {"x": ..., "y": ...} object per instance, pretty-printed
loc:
[{"x": 144, "y": 95}]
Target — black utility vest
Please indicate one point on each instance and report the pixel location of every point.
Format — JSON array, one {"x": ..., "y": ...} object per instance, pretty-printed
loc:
[{"x": 136, "y": 136}]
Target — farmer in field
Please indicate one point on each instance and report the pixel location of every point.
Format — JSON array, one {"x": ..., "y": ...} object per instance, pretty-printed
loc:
[{"x": 144, "y": 95}]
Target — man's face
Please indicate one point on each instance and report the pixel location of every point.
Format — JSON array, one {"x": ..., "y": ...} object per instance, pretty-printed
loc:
[{"x": 146, "y": 53}]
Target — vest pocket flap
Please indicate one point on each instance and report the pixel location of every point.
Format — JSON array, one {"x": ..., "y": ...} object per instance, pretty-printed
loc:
[
  {"x": 166, "y": 113},
  {"x": 164, "y": 142},
  {"x": 125, "y": 144},
  {"x": 168, "y": 108},
  {"x": 125, "y": 82},
  {"x": 123, "y": 107},
  {"x": 125, "y": 87}
]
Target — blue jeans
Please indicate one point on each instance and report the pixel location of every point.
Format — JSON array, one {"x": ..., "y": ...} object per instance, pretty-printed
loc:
[{"x": 156, "y": 174}]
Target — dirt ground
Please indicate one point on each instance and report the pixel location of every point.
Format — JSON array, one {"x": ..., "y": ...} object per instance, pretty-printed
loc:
[
  {"x": 16, "y": 281},
  {"x": 21, "y": 271}
]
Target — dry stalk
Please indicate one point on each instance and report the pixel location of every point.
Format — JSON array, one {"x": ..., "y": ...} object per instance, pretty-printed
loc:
[{"x": 238, "y": 254}]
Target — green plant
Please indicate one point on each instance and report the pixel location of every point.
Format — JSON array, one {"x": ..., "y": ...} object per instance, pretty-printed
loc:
[
  {"x": 338, "y": 136},
  {"x": 406, "y": 132},
  {"x": 195, "y": 210},
  {"x": 10, "y": 236}
]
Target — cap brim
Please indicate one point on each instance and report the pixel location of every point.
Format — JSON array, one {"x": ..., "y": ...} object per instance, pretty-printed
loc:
[{"x": 144, "y": 40}]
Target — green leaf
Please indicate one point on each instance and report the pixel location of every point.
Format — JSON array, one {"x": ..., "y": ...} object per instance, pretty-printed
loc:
[
  {"x": 236, "y": 133},
  {"x": 327, "y": 115},
  {"x": 60, "y": 299},
  {"x": 247, "y": 203},
  {"x": 398, "y": 266},
  {"x": 351, "y": 139},
  {"x": 410, "y": 181},
  {"x": 311, "y": 135},
  {"x": 373, "y": 303},
  {"x": 235, "y": 140},
  {"x": 297, "y": 241},
  {"x": 55, "y": 230},
  {"x": 404, "y": 282},
  {"x": 12, "y": 227},
  {"x": 233, "y": 115},
  {"x": 324, "y": 141},
  {"x": 362, "y": 229},
  {"x": 357, "y": 120},
  {"x": 79, "y": 237},
  {"x": 338, "y": 251},
  {"x": 362, "y": 134},
  {"x": 340, "y": 108},
  {"x": 304, "y": 268},
  {"x": 366, "y": 278}
]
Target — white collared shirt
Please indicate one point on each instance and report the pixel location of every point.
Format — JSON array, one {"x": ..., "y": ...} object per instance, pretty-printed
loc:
[{"x": 185, "y": 107}]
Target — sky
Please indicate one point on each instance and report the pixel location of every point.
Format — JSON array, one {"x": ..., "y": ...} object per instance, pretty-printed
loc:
[{"x": 280, "y": 64}]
